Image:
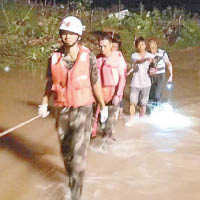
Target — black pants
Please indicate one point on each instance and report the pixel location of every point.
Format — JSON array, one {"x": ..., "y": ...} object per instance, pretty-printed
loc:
[{"x": 158, "y": 81}]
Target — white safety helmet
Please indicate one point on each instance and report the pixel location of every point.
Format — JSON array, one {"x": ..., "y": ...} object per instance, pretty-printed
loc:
[{"x": 72, "y": 24}]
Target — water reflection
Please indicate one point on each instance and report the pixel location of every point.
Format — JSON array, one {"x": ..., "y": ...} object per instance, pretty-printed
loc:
[
  {"x": 166, "y": 142},
  {"x": 166, "y": 118}
]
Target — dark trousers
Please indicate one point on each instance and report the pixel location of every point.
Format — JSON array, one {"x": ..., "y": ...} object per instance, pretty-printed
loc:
[
  {"x": 74, "y": 129},
  {"x": 158, "y": 81}
]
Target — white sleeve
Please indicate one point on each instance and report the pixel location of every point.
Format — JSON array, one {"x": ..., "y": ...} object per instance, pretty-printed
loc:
[
  {"x": 166, "y": 58},
  {"x": 134, "y": 57},
  {"x": 152, "y": 56}
]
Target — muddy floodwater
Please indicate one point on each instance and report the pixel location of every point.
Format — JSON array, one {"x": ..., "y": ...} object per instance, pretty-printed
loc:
[{"x": 156, "y": 158}]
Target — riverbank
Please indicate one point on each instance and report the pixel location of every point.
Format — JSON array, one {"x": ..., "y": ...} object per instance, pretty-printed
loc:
[{"x": 147, "y": 161}]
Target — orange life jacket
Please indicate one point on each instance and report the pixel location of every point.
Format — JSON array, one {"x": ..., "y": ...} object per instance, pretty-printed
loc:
[{"x": 72, "y": 86}]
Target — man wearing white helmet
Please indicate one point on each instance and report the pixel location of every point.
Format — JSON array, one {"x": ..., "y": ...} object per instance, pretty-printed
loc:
[{"x": 73, "y": 78}]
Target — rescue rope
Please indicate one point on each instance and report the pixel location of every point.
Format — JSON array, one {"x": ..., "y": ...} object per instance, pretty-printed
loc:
[{"x": 18, "y": 126}]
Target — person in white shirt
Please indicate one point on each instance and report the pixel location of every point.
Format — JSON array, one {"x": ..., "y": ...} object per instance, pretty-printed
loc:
[
  {"x": 161, "y": 60},
  {"x": 141, "y": 82}
]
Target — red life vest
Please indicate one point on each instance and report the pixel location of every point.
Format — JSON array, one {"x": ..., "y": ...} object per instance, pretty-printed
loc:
[
  {"x": 72, "y": 86},
  {"x": 108, "y": 69}
]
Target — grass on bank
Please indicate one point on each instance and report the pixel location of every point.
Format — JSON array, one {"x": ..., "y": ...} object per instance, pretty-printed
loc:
[{"x": 29, "y": 33}]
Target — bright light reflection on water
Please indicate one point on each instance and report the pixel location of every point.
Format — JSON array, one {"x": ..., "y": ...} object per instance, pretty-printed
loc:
[{"x": 165, "y": 117}]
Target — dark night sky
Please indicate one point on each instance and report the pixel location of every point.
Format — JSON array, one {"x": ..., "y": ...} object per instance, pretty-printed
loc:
[{"x": 149, "y": 4}]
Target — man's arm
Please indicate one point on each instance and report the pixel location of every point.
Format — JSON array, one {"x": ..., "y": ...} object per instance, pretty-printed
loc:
[
  {"x": 169, "y": 67},
  {"x": 95, "y": 82},
  {"x": 98, "y": 94},
  {"x": 140, "y": 61},
  {"x": 122, "y": 78},
  {"x": 45, "y": 99},
  {"x": 49, "y": 83},
  {"x": 43, "y": 108}
]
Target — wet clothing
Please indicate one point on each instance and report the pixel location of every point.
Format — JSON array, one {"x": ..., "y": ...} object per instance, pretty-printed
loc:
[
  {"x": 158, "y": 79},
  {"x": 74, "y": 129}
]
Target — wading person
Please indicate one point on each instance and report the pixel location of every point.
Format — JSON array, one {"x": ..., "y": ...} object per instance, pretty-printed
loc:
[
  {"x": 116, "y": 44},
  {"x": 141, "y": 82},
  {"x": 161, "y": 60},
  {"x": 73, "y": 78},
  {"x": 111, "y": 71}
]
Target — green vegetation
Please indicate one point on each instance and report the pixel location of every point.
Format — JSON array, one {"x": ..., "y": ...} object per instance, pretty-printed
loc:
[{"x": 29, "y": 33}]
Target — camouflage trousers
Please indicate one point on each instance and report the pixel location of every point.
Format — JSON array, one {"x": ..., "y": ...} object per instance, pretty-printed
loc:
[
  {"x": 74, "y": 129},
  {"x": 109, "y": 124}
]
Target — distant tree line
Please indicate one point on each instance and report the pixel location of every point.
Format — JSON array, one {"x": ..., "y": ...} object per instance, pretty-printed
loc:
[{"x": 190, "y": 5}]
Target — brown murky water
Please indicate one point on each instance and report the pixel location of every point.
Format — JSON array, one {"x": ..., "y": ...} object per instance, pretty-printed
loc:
[{"x": 147, "y": 161}]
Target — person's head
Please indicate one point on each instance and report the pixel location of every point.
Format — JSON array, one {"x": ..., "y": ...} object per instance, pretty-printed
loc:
[
  {"x": 140, "y": 44},
  {"x": 153, "y": 46},
  {"x": 70, "y": 30},
  {"x": 116, "y": 42},
  {"x": 115, "y": 46},
  {"x": 105, "y": 43}
]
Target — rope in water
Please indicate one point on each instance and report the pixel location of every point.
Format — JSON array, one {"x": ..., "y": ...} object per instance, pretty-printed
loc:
[{"x": 18, "y": 126}]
